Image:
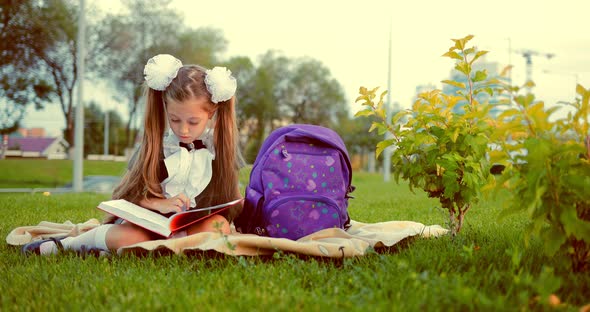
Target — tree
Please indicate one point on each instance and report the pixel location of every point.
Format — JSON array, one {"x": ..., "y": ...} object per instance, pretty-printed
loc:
[
  {"x": 356, "y": 136},
  {"x": 94, "y": 130},
  {"x": 265, "y": 92},
  {"x": 243, "y": 69},
  {"x": 15, "y": 94},
  {"x": 20, "y": 83},
  {"x": 49, "y": 45},
  {"x": 60, "y": 58},
  {"x": 279, "y": 91},
  {"x": 200, "y": 46},
  {"x": 312, "y": 95},
  {"x": 149, "y": 29}
]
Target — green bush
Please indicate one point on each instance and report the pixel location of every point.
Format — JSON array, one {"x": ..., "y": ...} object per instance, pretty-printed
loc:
[
  {"x": 551, "y": 180},
  {"x": 438, "y": 150},
  {"x": 546, "y": 160}
]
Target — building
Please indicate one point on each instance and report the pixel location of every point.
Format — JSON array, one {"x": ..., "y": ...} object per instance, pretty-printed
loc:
[{"x": 36, "y": 147}]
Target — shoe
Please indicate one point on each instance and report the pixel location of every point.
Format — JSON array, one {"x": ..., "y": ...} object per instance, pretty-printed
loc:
[
  {"x": 88, "y": 251},
  {"x": 35, "y": 247}
]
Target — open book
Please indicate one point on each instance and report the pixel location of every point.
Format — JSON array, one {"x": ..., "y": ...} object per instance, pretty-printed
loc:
[{"x": 157, "y": 223}]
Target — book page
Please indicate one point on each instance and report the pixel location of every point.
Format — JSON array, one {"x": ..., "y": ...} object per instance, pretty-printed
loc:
[
  {"x": 137, "y": 215},
  {"x": 156, "y": 222}
]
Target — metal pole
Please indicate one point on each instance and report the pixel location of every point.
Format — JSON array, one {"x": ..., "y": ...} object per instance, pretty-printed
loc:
[
  {"x": 510, "y": 72},
  {"x": 4, "y": 146},
  {"x": 510, "y": 61},
  {"x": 106, "y": 133},
  {"x": 387, "y": 151},
  {"x": 79, "y": 126}
]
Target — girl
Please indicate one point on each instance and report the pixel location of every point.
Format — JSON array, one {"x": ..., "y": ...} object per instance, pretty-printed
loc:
[{"x": 194, "y": 163}]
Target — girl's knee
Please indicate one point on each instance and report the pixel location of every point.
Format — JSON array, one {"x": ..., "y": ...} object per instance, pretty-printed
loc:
[
  {"x": 127, "y": 234},
  {"x": 220, "y": 223},
  {"x": 215, "y": 223}
]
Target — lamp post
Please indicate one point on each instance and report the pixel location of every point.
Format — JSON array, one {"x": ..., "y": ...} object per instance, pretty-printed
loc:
[
  {"x": 106, "y": 133},
  {"x": 387, "y": 151},
  {"x": 4, "y": 146},
  {"x": 107, "y": 126},
  {"x": 79, "y": 126}
]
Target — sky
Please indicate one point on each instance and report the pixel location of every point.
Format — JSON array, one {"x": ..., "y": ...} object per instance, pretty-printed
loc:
[{"x": 351, "y": 39}]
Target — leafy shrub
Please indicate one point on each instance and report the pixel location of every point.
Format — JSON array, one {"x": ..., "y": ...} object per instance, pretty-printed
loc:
[
  {"x": 438, "y": 150},
  {"x": 545, "y": 160},
  {"x": 551, "y": 180}
]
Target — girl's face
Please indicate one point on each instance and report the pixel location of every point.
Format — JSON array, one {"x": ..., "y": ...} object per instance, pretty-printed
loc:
[{"x": 188, "y": 119}]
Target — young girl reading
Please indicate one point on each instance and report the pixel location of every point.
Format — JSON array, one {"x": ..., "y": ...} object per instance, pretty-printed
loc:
[{"x": 188, "y": 157}]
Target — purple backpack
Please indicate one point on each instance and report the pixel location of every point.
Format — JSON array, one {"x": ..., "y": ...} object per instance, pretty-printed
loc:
[{"x": 299, "y": 184}]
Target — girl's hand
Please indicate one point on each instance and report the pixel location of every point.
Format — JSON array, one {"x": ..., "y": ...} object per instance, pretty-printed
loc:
[{"x": 177, "y": 203}]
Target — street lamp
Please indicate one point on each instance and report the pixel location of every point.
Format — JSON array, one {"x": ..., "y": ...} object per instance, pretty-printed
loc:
[
  {"x": 79, "y": 126},
  {"x": 387, "y": 151}
]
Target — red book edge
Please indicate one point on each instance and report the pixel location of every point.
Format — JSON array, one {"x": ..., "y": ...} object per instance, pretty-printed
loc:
[{"x": 173, "y": 228}]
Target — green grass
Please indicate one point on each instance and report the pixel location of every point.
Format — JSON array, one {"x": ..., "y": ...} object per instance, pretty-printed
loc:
[
  {"x": 485, "y": 268},
  {"x": 32, "y": 173}
]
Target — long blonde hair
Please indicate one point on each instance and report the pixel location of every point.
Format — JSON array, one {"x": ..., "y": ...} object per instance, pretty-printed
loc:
[{"x": 142, "y": 180}]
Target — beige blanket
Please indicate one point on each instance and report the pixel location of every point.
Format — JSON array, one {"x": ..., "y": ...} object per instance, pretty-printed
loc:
[{"x": 356, "y": 241}]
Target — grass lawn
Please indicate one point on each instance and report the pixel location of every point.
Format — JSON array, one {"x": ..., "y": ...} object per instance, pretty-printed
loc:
[
  {"x": 33, "y": 173},
  {"x": 486, "y": 267}
]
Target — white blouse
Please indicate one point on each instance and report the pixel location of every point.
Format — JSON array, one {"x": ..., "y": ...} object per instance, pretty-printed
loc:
[{"x": 189, "y": 172}]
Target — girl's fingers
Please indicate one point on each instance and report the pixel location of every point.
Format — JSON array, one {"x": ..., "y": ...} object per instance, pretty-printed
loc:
[
  {"x": 174, "y": 205},
  {"x": 179, "y": 203},
  {"x": 185, "y": 201}
]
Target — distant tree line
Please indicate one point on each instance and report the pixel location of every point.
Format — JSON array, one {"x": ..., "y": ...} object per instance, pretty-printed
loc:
[{"x": 38, "y": 49}]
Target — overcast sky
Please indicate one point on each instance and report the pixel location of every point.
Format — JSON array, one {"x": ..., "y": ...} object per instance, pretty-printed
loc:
[{"x": 351, "y": 39}]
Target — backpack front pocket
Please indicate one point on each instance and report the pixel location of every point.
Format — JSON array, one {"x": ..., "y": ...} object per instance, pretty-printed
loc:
[{"x": 294, "y": 216}]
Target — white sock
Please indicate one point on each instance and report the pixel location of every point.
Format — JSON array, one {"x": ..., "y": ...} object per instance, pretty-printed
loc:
[{"x": 95, "y": 238}]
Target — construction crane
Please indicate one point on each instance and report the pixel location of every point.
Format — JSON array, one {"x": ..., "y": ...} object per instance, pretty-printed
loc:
[{"x": 528, "y": 55}]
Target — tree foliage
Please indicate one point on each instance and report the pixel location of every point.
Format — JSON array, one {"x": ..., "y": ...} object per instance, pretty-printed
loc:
[
  {"x": 49, "y": 42},
  {"x": 150, "y": 28},
  {"x": 312, "y": 95},
  {"x": 272, "y": 91},
  {"x": 94, "y": 130},
  {"x": 279, "y": 90},
  {"x": 59, "y": 58},
  {"x": 355, "y": 133},
  {"x": 20, "y": 83}
]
